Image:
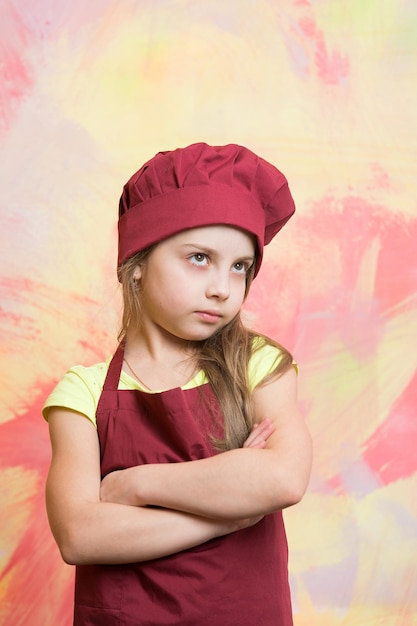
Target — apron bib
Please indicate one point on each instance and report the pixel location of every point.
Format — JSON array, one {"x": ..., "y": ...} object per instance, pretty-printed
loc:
[{"x": 237, "y": 580}]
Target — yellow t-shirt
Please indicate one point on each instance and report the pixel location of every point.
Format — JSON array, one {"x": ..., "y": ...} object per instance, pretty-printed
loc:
[{"x": 80, "y": 389}]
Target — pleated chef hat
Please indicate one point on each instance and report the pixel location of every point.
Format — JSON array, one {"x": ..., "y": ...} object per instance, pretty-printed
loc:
[{"x": 202, "y": 185}]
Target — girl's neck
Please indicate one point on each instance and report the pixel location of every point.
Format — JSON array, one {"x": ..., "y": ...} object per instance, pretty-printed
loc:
[
  {"x": 159, "y": 347},
  {"x": 159, "y": 365}
]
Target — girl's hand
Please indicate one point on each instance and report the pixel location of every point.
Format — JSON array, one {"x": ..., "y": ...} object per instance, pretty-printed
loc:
[
  {"x": 245, "y": 523},
  {"x": 259, "y": 434},
  {"x": 227, "y": 527}
]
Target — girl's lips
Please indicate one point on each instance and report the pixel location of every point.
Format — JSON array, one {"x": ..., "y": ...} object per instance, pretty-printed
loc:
[{"x": 209, "y": 316}]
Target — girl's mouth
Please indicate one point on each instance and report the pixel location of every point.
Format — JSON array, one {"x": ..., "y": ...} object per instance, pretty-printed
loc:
[{"x": 209, "y": 316}]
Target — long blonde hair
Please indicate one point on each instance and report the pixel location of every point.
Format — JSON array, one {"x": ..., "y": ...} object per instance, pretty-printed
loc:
[{"x": 224, "y": 357}]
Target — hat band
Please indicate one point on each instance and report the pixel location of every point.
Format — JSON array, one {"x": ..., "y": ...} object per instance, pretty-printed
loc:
[{"x": 162, "y": 216}]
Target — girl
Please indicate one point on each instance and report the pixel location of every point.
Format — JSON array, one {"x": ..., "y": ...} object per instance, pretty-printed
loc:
[{"x": 173, "y": 460}]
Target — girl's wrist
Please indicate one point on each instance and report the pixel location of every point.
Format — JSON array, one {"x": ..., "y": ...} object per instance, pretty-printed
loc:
[{"x": 141, "y": 477}]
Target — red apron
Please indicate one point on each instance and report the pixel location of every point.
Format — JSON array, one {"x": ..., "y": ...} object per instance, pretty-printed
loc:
[{"x": 237, "y": 580}]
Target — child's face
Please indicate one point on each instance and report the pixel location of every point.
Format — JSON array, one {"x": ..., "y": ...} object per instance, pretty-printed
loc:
[{"x": 194, "y": 283}]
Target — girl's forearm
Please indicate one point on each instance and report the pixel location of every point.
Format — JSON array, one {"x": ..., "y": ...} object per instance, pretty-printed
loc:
[
  {"x": 106, "y": 533},
  {"x": 232, "y": 485}
]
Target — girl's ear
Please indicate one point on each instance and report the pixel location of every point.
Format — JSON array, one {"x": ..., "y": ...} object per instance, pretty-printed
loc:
[{"x": 137, "y": 273}]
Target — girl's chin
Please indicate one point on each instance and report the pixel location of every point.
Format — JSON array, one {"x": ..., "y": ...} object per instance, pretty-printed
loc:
[{"x": 200, "y": 335}]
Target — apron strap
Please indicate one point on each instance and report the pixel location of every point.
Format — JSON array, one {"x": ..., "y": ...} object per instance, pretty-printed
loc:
[{"x": 111, "y": 382}]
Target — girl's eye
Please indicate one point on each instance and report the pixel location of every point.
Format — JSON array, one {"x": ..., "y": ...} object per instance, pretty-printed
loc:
[
  {"x": 240, "y": 267},
  {"x": 199, "y": 258}
]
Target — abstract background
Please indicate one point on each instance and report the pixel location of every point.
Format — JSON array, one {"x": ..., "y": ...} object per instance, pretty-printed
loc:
[{"x": 324, "y": 89}]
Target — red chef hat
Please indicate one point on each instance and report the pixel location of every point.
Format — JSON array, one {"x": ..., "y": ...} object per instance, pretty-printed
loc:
[{"x": 202, "y": 185}]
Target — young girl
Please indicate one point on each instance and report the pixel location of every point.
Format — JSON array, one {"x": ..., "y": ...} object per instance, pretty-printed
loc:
[{"x": 173, "y": 460}]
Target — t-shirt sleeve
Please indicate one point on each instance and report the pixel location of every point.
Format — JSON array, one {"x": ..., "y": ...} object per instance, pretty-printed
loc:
[
  {"x": 79, "y": 390},
  {"x": 262, "y": 362}
]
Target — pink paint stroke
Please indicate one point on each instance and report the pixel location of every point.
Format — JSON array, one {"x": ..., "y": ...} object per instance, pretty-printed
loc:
[
  {"x": 39, "y": 585},
  {"x": 16, "y": 69},
  {"x": 310, "y": 50},
  {"x": 391, "y": 451}
]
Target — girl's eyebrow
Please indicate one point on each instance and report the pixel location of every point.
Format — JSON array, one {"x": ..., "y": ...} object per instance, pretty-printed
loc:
[{"x": 200, "y": 246}]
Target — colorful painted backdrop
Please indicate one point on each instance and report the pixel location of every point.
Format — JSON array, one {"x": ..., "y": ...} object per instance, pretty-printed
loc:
[{"x": 326, "y": 90}]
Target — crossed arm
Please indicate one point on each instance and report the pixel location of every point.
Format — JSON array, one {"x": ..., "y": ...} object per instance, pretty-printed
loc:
[{"x": 109, "y": 522}]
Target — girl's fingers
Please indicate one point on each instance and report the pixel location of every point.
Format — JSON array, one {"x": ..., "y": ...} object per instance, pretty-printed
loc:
[{"x": 259, "y": 434}]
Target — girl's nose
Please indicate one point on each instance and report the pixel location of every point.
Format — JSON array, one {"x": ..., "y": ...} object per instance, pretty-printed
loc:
[{"x": 219, "y": 286}]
